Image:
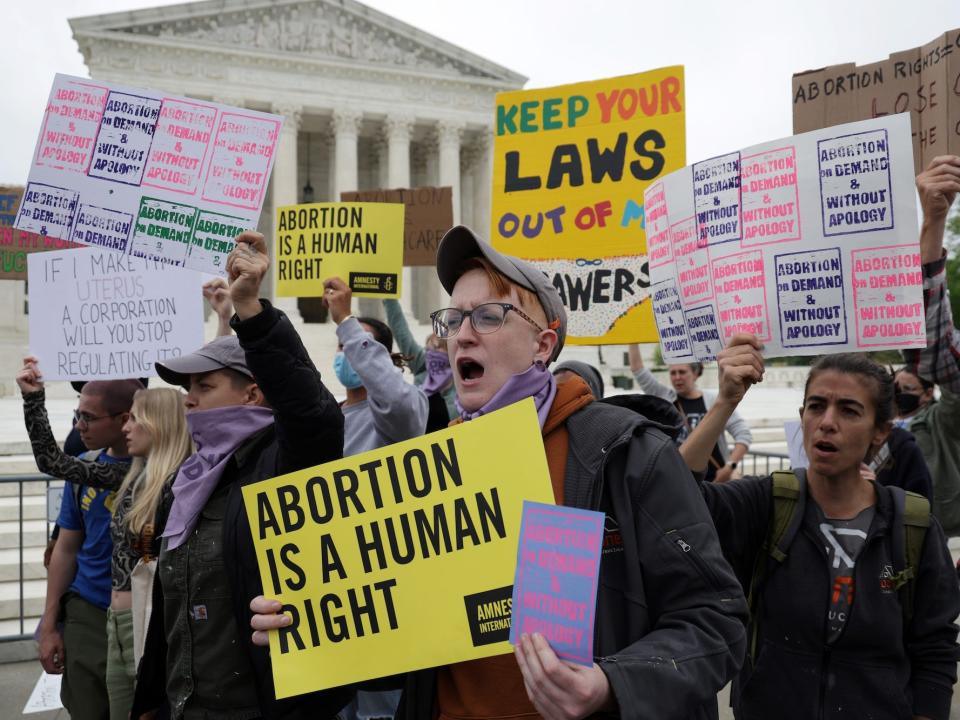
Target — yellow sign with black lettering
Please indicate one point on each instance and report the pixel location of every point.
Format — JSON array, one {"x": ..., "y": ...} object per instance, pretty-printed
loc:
[
  {"x": 361, "y": 243},
  {"x": 400, "y": 558},
  {"x": 570, "y": 166}
]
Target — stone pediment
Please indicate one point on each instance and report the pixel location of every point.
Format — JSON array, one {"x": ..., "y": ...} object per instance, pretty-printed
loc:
[{"x": 343, "y": 31}]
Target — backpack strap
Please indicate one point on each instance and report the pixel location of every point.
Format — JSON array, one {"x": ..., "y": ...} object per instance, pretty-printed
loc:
[
  {"x": 788, "y": 491},
  {"x": 911, "y": 520},
  {"x": 89, "y": 456}
]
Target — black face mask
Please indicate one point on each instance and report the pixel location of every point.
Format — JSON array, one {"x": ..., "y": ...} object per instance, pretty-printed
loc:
[{"x": 906, "y": 402}]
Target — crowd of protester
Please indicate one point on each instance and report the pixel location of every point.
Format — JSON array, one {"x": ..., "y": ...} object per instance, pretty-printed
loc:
[{"x": 826, "y": 591}]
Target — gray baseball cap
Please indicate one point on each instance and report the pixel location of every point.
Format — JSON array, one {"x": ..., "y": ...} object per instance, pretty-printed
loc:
[
  {"x": 460, "y": 244},
  {"x": 219, "y": 354}
]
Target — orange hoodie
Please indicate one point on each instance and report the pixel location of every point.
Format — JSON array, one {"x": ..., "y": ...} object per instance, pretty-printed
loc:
[{"x": 493, "y": 687}]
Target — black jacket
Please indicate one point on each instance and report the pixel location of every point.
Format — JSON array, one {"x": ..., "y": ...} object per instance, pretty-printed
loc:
[
  {"x": 877, "y": 668},
  {"x": 670, "y": 613},
  {"x": 905, "y": 466},
  {"x": 307, "y": 431}
]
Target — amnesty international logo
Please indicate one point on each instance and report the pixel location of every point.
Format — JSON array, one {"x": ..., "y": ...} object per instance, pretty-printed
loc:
[
  {"x": 489, "y": 614},
  {"x": 368, "y": 282}
]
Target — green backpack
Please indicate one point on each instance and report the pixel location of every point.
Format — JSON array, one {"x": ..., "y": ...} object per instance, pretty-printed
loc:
[{"x": 789, "y": 497}]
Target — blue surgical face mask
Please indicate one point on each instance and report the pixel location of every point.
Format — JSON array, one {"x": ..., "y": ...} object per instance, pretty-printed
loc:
[{"x": 345, "y": 373}]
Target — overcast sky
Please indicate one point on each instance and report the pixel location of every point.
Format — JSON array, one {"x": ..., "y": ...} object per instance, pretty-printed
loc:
[{"x": 739, "y": 55}]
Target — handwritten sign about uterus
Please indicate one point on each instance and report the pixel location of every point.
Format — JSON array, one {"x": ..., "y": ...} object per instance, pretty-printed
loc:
[
  {"x": 146, "y": 174},
  {"x": 97, "y": 315},
  {"x": 808, "y": 242}
]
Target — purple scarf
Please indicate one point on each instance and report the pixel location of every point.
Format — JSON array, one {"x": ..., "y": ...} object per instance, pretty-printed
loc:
[
  {"x": 536, "y": 382},
  {"x": 216, "y": 434},
  {"x": 439, "y": 372}
]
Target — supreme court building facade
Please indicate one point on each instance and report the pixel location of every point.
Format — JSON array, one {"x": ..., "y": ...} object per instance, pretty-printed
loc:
[{"x": 368, "y": 102}]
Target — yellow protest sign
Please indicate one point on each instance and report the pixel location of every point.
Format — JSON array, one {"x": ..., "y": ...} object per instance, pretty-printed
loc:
[
  {"x": 400, "y": 558},
  {"x": 362, "y": 243},
  {"x": 570, "y": 167}
]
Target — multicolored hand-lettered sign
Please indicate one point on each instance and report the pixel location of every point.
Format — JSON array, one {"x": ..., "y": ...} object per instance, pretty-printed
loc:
[
  {"x": 809, "y": 242},
  {"x": 146, "y": 174},
  {"x": 570, "y": 167}
]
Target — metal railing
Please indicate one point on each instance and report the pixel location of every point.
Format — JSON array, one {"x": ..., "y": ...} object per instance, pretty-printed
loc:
[
  {"x": 755, "y": 462},
  {"x": 21, "y": 481},
  {"x": 761, "y": 462}
]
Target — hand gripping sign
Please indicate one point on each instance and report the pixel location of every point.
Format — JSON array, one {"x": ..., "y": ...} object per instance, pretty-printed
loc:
[
  {"x": 400, "y": 558},
  {"x": 809, "y": 242}
]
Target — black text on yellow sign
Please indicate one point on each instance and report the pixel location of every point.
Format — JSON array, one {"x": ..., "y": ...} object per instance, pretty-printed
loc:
[
  {"x": 362, "y": 243},
  {"x": 389, "y": 561}
]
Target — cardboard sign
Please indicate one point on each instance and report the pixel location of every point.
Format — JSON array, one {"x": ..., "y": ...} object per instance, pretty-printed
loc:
[
  {"x": 45, "y": 695},
  {"x": 569, "y": 170},
  {"x": 400, "y": 558},
  {"x": 922, "y": 81},
  {"x": 148, "y": 175},
  {"x": 97, "y": 315},
  {"x": 362, "y": 243},
  {"x": 555, "y": 590},
  {"x": 809, "y": 242},
  {"x": 793, "y": 432},
  {"x": 428, "y": 215},
  {"x": 15, "y": 244}
]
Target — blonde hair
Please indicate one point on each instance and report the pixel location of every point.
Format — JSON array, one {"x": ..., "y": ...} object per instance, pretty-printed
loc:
[{"x": 160, "y": 411}]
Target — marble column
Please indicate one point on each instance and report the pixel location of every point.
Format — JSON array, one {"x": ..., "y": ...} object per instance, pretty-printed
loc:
[
  {"x": 449, "y": 136},
  {"x": 346, "y": 130},
  {"x": 483, "y": 183},
  {"x": 469, "y": 160},
  {"x": 285, "y": 184},
  {"x": 397, "y": 130}
]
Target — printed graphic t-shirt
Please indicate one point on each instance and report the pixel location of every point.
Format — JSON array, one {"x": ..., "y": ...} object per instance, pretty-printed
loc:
[
  {"x": 843, "y": 540},
  {"x": 693, "y": 411},
  {"x": 92, "y": 581}
]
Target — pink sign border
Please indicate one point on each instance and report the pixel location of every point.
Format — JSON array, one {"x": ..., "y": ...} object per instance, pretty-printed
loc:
[
  {"x": 266, "y": 176},
  {"x": 796, "y": 192},
  {"x": 856, "y": 315},
  {"x": 206, "y": 152},
  {"x": 46, "y": 119},
  {"x": 766, "y": 305}
]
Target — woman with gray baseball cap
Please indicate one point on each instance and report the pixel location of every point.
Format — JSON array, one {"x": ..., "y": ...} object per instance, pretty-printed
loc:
[{"x": 670, "y": 612}]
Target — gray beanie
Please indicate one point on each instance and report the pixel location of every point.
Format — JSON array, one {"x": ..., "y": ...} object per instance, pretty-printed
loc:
[{"x": 591, "y": 376}]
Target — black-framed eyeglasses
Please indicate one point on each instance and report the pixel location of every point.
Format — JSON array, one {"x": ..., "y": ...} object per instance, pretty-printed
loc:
[
  {"x": 84, "y": 418},
  {"x": 485, "y": 319}
]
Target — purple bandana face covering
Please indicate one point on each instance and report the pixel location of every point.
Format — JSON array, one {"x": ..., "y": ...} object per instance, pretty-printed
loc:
[
  {"x": 439, "y": 372},
  {"x": 216, "y": 434},
  {"x": 536, "y": 382}
]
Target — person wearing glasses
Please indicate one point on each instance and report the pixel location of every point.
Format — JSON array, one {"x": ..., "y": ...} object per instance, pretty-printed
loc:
[
  {"x": 79, "y": 576},
  {"x": 670, "y": 613}
]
